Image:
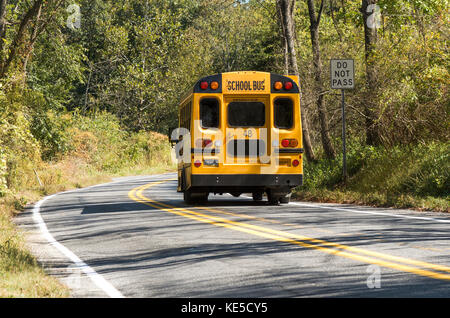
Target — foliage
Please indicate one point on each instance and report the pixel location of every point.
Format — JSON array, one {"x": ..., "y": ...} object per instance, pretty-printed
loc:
[{"x": 420, "y": 172}]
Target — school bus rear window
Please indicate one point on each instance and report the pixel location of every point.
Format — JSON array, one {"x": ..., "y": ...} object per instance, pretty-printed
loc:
[
  {"x": 209, "y": 112},
  {"x": 284, "y": 113},
  {"x": 246, "y": 114}
]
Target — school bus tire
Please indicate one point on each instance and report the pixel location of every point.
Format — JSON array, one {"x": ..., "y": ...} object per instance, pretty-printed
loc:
[
  {"x": 272, "y": 198},
  {"x": 191, "y": 197},
  {"x": 286, "y": 198},
  {"x": 187, "y": 197},
  {"x": 257, "y": 196}
]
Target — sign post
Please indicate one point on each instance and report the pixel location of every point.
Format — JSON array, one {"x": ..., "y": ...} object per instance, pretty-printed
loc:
[{"x": 343, "y": 77}]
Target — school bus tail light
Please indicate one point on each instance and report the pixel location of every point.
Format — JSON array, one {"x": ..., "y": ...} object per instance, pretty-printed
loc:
[
  {"x": 295, "y": 163},
  {"x": 203, "y": 143},
  {"x": 288, "y": 86},
  {"x": 285, "y": 143},
  {"x": 291, "y": 143},
  {"x": 197, "y": 163}
]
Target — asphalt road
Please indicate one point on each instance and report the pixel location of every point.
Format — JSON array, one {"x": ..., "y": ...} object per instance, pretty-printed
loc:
[{"x": 138, "y": 234}]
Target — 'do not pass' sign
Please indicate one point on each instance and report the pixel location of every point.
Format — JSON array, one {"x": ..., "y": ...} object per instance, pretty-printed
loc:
[{"x": 342, "y": 74}]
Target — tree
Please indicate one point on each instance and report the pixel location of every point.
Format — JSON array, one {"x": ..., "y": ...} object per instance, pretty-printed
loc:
[
  {"x": 3, "y": 21},
  {"x": 19, "y": 48},
  {"x": 319, "y": 87},
  {"x": 25, "y": 21},
  {"x": 286, "y": 16},
  {"x": 373, "y": 136}
]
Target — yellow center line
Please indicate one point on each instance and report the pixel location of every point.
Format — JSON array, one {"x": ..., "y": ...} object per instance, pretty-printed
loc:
[{"x": 324, "y": 246}]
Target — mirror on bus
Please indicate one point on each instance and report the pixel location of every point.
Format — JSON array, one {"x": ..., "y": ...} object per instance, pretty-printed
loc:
[{"x": 169, "y": 135}]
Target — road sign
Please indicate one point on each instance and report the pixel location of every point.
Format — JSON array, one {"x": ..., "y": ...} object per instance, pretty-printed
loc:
[{"x": 342, "y": 74}]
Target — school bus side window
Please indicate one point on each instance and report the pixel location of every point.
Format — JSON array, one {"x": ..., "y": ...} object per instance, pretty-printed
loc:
[
  {"x": 283, "y": 113},
  {"x": 188, "y": 125},
  {"x": 181, "y": 117},
  {"x": 209, "y": 112}
]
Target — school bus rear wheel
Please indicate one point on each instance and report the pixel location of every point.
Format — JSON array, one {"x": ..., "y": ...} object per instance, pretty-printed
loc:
[
  {"x": 191, "y": 197},
  {"x": 257, "y": 196},
  {"x": 273, "y": 198},
  {"x": 286, "y": 198}
]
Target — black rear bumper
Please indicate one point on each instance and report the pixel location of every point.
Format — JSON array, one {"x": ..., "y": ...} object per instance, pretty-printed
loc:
[{"x": 246, "y": 180}]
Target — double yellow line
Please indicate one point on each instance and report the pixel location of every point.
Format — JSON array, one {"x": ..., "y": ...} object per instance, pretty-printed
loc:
[{"x": 366, "y": 256}]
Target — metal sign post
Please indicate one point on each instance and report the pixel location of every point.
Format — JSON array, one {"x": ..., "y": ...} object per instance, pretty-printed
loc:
[
  {"x": 343, "y": 77},
  {"x": 344, "y": 147}
]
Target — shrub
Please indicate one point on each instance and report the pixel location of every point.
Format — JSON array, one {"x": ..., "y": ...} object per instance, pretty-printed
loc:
[{"x": 403, "y": 176}]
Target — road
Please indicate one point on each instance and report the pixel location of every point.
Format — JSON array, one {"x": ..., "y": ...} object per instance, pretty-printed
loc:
[{"x": 139, "y": 236}]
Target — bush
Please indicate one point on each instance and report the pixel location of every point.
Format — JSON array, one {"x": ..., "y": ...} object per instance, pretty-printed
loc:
[
  {"x": 403, "y": 176},
  {"x": 51, "y": 130}
]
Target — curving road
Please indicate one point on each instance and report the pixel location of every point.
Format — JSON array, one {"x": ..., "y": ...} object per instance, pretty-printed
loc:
[{"x": 140, "y": 237}]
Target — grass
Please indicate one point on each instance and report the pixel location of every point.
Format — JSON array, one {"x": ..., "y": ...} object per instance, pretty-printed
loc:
[
  {"x": 20, "y": 274},
  {"x": 97, "y": 150},
  {"x": 416, "y": 177}
]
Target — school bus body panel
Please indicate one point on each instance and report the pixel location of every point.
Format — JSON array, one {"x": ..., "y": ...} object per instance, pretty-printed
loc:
[{"x": 223, "y": 168}]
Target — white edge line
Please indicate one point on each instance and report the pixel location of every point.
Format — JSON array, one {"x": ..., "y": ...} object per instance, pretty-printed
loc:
[
  {"x": 96, "y": 278},
  {"x": 367, "y": 212},
  {"x": 372, "y": 212}
]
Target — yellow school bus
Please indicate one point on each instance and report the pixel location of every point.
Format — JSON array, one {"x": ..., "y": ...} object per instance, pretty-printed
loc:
[{"x": 240, "y": 132}]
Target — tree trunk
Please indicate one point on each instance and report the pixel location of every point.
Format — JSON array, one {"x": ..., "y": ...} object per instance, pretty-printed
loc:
[
  {"x": 323, "y": 117},
  {"x": 13, "y": 50},
  {"x": 32, "y": 41},
  {"x": 3, "y": 4},
  {"x": 286, "y": 12},
  {"x": 373, "y": 136}
]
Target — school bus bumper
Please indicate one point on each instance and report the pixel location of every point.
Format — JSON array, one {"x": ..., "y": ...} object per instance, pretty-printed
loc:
[{"x": 246, "y": 180}]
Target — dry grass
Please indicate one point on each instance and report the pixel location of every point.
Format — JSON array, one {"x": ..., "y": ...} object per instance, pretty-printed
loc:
[{"x": 20, "y": 274}]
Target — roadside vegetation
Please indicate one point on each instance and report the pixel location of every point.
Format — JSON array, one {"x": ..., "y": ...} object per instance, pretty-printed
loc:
[
  {"x": 414, "y": 177},
  {"x": 79, "y": 151}
]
